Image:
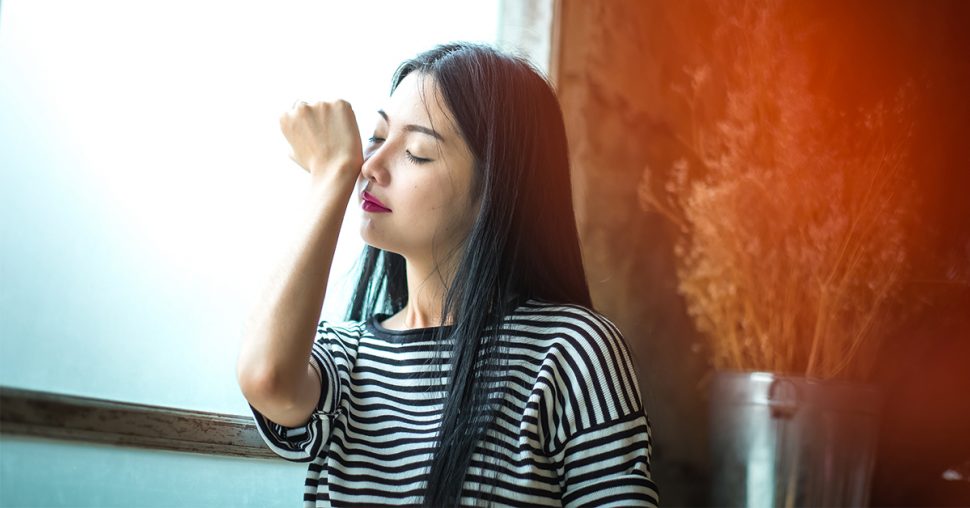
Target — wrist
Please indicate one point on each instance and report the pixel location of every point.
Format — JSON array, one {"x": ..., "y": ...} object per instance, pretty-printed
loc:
[
  {"x": 334, "y": 177},
  {"x": 335, "y": 183}
]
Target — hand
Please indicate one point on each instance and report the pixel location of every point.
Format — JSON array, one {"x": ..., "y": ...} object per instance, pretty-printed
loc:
[{"x": 324, "y": 138}]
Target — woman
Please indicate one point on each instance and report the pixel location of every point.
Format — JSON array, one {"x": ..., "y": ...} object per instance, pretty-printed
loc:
[{"x": 472, "y": 368}]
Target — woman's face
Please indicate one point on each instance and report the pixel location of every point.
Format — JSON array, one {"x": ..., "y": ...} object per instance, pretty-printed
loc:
[{"x": 420, "y": 169}]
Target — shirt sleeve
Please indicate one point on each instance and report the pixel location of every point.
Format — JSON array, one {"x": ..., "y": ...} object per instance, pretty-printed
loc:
[
  {"x": 609, "y": 465},
  {"x": 329, "y": 357},
  {"x": 603, "y": 443}
]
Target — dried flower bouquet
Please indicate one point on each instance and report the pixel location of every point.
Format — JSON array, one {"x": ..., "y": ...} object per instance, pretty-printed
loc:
[{"x": 791, "y": 222}]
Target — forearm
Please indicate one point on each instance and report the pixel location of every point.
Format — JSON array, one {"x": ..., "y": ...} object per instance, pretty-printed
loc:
[{"x": 281, "y": 327}]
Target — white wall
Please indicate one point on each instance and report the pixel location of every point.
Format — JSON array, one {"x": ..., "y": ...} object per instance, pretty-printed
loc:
[{"x": 50, "y": 473}]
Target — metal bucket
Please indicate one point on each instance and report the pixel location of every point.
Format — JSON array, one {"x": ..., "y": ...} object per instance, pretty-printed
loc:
[{"x": 791, "y": 441}]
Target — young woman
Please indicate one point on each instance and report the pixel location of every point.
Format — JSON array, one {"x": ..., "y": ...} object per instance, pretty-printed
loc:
[{"x": 472, "y": 368}]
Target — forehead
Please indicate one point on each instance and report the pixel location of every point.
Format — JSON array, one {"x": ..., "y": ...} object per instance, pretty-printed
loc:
[{"x": 417, "y": 100}]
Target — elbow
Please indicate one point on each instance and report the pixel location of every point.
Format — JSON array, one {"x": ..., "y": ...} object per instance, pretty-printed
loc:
[
  {"x": 254, "y": 374},
  {"x": 271, "y": 396},
  {"x": 264, "y": 383},
  {"x": 265, "y": 391},
  {"x": 257, "y": 381},
  {"x": 249, "y": 376},
  {"x": 256, "y": 385}
]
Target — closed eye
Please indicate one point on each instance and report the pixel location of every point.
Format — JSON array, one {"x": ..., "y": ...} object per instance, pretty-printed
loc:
[{"x": 416, "y": 160}]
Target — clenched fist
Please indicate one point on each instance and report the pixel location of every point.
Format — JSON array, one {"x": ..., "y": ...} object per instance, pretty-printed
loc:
[{"x": 324, "y": 138}]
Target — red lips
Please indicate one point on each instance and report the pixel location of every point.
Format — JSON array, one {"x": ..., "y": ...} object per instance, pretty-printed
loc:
[{"x": 372, "y": 204}]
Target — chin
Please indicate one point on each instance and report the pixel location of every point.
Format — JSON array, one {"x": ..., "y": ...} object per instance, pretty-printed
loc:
[{"x": 367, "y": 234}]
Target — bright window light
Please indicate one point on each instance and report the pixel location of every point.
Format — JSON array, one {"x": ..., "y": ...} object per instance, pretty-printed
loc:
[{"x": 145, "y": 187}]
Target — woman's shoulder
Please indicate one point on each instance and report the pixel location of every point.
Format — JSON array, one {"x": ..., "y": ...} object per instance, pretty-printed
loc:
[
  {"x": 567, "y": 327},
  {"x": 559, "y": 314},
  {"x": 586, "y": 353},
  {"x": 340, "y": 328}
]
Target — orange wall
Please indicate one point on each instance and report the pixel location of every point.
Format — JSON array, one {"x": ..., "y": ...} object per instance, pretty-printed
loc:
[{"x": 617, "y": 62}]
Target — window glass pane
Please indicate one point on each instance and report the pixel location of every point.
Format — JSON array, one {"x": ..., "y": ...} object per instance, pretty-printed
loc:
[{"x": 145, "y": 187}]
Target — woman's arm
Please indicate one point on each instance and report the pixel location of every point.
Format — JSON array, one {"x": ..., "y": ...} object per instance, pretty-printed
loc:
[
  {"x": 273, "y": 367},
  {"x": 609, "y": 465},
  {"x": 603, "y": 444}
]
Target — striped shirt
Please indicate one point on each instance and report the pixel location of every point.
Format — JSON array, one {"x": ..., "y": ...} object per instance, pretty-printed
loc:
[{"x": 572, "y": 430}]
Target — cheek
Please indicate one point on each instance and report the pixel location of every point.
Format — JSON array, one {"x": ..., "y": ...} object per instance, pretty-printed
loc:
[
  {"x": 427, "y": 195},
  {"x": 436, "y": 202},
  {"x": 460, "y": 216}
]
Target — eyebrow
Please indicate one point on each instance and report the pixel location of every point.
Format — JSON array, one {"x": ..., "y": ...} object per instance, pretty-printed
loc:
[{"x": 414, "y": 128}]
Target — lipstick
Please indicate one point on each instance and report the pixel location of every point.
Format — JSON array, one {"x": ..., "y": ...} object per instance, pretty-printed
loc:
[{"x": 371, "y": 204}]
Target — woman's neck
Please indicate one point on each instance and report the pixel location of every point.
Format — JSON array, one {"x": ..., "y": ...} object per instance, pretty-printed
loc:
[{"x": 426, "y": 289}]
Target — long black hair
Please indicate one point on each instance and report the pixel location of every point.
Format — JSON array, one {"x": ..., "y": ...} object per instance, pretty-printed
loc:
[{"x": 523, "y": 244}]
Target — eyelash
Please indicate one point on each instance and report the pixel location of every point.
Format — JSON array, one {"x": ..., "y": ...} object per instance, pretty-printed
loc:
[
  {"x": 416, "y": 160},
  {"x": 412, "y": 158}
]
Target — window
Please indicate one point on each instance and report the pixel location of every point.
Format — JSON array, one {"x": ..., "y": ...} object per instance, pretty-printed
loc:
[{"x": 145, "y": 187}]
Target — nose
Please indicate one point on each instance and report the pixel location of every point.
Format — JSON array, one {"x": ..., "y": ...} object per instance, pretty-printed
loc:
[{"x": 375, "y": 166}]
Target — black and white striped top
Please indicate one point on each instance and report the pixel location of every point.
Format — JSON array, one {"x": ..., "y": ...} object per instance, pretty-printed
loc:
[{"x": 572, "y": 431}]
